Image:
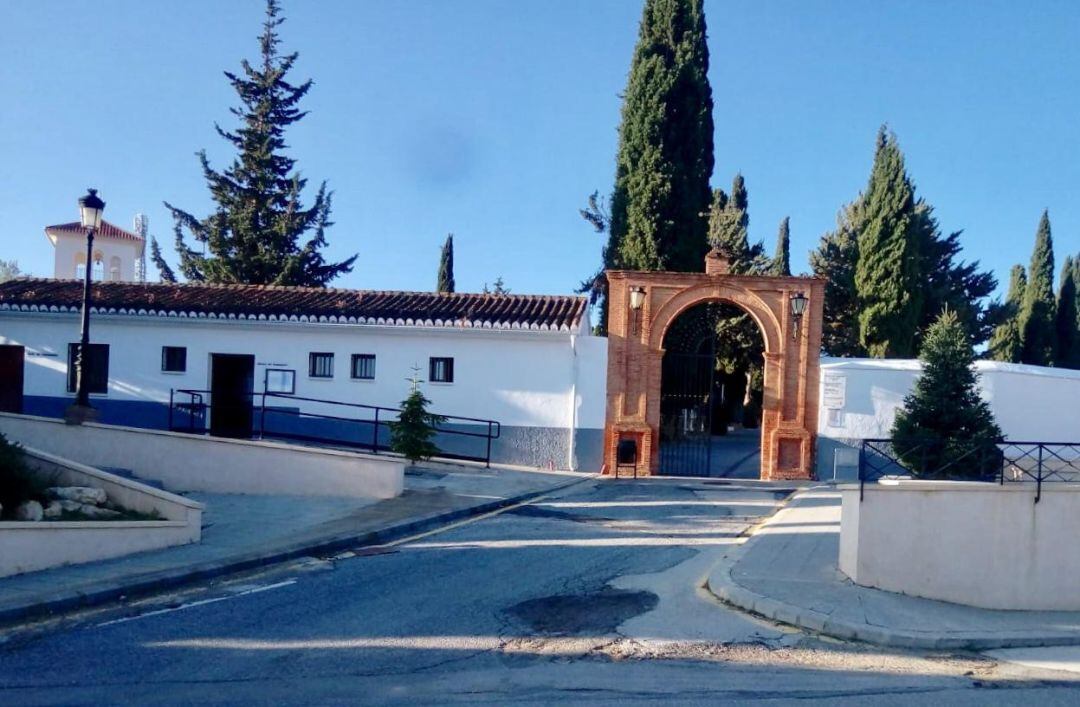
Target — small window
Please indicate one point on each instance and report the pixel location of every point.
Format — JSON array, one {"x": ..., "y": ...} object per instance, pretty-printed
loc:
[
  {"x": 363, "y": 366},
  {"x": 173, "y": 359},
  {"x": 280, "y": 380},
  {"x": 321, "y": 365},
  {"x": 96, "y": 366},
  {"x": 441, "y": 370}
]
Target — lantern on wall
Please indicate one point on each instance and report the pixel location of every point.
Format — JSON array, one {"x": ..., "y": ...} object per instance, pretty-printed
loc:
[{"x": 798, "y": 306}]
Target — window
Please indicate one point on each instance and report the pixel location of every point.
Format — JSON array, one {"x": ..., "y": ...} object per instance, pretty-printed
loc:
[
  {"x": 363, "y": 366},
  {"x": 173, "y": 359},
  {"x": 321, "y": 365},
  {"x": 96, "y": 366},
  {"x": 98, "y": 271},
  {"x": 114, "y": 269},
  {"x": 80, "y": 271},
  {"x": 441, "y": 370},
  {"x": 280, "y": 380}
]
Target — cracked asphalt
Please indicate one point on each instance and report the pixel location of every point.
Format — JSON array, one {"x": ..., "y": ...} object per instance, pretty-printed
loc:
[{"x": 592, "y": 596}]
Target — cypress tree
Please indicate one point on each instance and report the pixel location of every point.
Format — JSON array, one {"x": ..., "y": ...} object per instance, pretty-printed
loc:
[
  {"x": 729, "y": 221},
  {"x": 1037, "y": 314},
  {"x": 887, "y": 276},
  {"x": 945, "y": 428},
  {"x": 835, "y": 260},
  {"x": 665, "y": 157},
  {"x": 781, "y": 262},
  {"x": 446, "y": 266},
  {"x": 1068, "y": 337},
  {"x": 260, "y": 232},
  {"x": 1005, "y": 344}
]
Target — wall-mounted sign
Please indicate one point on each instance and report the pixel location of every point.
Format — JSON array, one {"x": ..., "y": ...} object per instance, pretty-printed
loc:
[{"x": 833, "y": 390}]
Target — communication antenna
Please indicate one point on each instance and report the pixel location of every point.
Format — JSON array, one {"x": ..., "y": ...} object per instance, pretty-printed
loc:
[{"x": 141, "y": 226}]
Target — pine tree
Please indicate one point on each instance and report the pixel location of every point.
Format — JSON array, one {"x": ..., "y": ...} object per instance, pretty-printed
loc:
[
  {"x": 1037, "y": 314},
  {"x": 835, "y": 260},
  {"x": 411, "y": 434},
  {"x": 665, "y": 156},
  {"x": 1067, "y": 351},
  {"x": 497, "y": 288},
  {"x": 165, "y": 272},
  {"x": 446, "y": 266},
  {"x": 945, "y": 429},
  {"x": 781, "y": 262},
  {"x": 948, "y": 283},
  {"x": 887, "y": 276},
  {"x": 1005, "y": 344},
  {"x": 260, "y": 232}
]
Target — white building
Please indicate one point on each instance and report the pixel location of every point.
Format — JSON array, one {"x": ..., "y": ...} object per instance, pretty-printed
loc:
[
  {"x": 118, "y": 255},
  {"x": 861, "y": 396},
  {"x": 525, "y": 362}
]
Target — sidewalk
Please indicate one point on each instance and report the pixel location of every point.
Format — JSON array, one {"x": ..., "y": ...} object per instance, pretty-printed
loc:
[
  {"x": 243, "y": 532},
  {"x": 787, "y": 571}
]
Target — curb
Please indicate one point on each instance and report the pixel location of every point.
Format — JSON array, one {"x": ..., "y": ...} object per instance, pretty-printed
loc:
[
  {"x": 722, "y": 586},
  {"x": 155, "y": 581}
]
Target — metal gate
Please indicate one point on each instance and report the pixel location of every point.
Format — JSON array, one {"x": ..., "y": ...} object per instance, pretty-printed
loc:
[{"x": 686, "y": 408}]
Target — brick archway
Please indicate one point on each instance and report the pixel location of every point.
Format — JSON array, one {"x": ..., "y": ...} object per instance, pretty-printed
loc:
[{"x": 791, "y": 370}]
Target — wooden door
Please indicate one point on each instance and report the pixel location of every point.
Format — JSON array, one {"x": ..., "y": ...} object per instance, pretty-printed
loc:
[{"x": 11, "y": 378}]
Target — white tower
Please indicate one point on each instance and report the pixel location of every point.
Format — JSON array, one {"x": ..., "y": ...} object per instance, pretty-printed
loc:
[{"x": 118, "y": 256}]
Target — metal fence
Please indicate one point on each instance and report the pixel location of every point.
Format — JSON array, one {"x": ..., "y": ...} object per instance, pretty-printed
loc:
[
  {"x": 329, "y": 422},
  {"x": 1001, "y": 461}
]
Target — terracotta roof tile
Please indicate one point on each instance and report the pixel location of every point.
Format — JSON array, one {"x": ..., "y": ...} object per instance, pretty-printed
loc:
[
  {"x": 107, "y": 230},
  {"x": 550, "y": 312}
]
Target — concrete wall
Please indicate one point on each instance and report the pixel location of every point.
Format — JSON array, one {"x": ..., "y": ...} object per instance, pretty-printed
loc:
[
  {"x": 966, "y": 542},
  {"x": 545, "y": 388},
  {"x": 29, "y": 547},
  {"x": 194, "y": 463},
  {"x": 1029, "y": 403}
]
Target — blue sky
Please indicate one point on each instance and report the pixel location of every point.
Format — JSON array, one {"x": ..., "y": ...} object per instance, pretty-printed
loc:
[{"x": 494, "y": 119}]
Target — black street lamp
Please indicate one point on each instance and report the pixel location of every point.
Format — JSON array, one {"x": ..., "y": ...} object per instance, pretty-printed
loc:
[
  {"x": 798, "y": 306},
  {"x": 90, "y": 209}
]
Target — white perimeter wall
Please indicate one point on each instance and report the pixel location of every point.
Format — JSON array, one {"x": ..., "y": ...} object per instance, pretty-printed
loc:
[
  {"x": 1030, "y": 403},
  {"x": 532, "y": 379},
  {"x": 966, "y": 542}
]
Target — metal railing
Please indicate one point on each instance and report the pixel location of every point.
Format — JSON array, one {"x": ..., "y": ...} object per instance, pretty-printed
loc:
[
  {"x": 1000, "y": 461},
  {"x": 342, "y": 424}
]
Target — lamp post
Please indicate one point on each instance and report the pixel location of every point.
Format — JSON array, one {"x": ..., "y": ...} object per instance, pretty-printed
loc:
[
  {"x": 798, "y": 306},
  {"x": 90, "y": 209},
  {"x": 637, "y": 299}
]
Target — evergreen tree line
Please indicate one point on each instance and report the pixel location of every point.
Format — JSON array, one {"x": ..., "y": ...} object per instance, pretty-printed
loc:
[{"x": 1037, "y": 326}]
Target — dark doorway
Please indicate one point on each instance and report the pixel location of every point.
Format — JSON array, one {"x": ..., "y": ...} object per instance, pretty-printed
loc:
[
  {"x": 709, "y": 410},
  {"x": 11, "y": 378},
  {"x": 232, "y": 382}
]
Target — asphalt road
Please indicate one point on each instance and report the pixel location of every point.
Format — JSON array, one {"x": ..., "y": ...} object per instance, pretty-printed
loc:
[{"x": 589, "y": 597}]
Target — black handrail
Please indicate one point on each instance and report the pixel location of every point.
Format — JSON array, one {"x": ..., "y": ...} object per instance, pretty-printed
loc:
[
  {"x": 999, "y": 461},
  {"x": 379, "y": 418}
]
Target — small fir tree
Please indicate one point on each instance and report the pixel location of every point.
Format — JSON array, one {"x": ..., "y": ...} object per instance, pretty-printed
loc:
[
  {"x": 1067, "y": 351},
  {"x": 1006, "y": 344},
  {"x": 1037, "y": 313},
  {"x": 446, "y": 266},
  {"x": 411, "y": 434},
  {"x": 259, "y": 232},
  {"x": 945, "y": 429},
  {"x": 781, "y": 262}
]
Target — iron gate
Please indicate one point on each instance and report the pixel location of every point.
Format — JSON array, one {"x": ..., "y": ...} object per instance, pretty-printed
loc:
[{"x": 686, "y": 408}]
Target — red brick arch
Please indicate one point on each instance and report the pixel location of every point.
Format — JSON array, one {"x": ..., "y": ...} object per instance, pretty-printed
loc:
[{"x": 635, "y": 355}]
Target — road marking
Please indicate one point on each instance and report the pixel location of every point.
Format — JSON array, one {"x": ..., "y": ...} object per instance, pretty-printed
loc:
[{"x": 201, "y": 602}]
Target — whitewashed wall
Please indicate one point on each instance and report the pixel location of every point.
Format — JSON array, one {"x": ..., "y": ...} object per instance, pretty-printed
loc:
[
  {"x": 1030, "y": 403},
  {"x": 523, "y": 379},
  {"x": 69, "y": 247}
]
